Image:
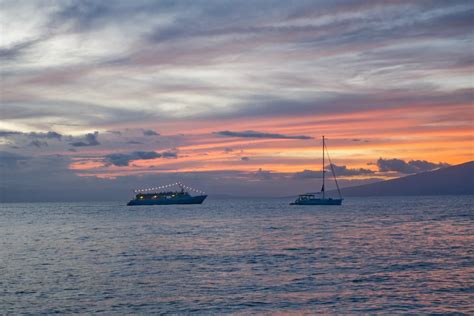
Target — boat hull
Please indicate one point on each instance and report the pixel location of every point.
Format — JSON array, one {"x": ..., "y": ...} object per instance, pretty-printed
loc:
[
  {"x": 318, "y": 202},
  {"x": 185, "y": 200}
]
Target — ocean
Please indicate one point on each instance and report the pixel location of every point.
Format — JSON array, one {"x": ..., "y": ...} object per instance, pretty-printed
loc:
[{"x": 251, "y": 256}]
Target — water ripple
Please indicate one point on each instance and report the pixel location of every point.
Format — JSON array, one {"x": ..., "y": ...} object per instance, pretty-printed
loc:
[{"x": 380, "y": 255}]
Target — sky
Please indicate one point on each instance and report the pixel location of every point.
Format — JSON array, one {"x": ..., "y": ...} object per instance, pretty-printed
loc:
[{"x": 231, "y": 97}]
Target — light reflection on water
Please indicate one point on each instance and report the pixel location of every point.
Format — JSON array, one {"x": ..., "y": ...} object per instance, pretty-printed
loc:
[{"x": 379, "y": 255}]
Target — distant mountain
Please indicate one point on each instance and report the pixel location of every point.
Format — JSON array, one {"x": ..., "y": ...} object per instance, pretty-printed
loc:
[{"x": 457, "y": 179}]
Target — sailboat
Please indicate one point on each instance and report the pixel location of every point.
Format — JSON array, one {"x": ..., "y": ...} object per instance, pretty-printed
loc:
[{"x": 320, "y": 198}]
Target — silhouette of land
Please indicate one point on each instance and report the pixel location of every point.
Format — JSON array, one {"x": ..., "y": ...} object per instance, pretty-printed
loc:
[{"x": 458, "y": 179}]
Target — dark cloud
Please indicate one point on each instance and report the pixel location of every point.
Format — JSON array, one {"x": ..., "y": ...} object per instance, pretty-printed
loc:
[
  {"x": 38, "y": 143},
  {"x": 44, "y": 178},
  {"x": 17, "y": 50},
  {"x": 254, "y": 134},
  {"x": 410, "y": 167},
  {"x": 150, "y": 132},
  {"x": 90, "y": 139},
  {"x": 352, "y": 27},
  {"x": 369, "y": 31},
  {"x": 34, "y": 139},
  {"x": 342, "y": 102},
  {"x": 81, "y": 16},
  {"x": 122, "y": 160},
  {"x": 344, "y": 171},
  {"x": 341, "y": 171},
  {"x": 262, "y": 174},
  {"x": 48, "y": 135},
  {"x": 9, "y": 133},
  {"x": 308, "y": 174},
  {"x": 134, "y": 142},
  {"x": 169, "y": 154},
  {"x": 245, "y": 158}
]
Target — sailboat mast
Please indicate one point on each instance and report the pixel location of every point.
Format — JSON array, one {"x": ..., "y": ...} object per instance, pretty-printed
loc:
[
  {"x": 333, "y": 173},
  {"x": 324, "y": 189}
]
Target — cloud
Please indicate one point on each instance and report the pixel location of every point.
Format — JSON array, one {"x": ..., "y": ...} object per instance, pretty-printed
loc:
[
  {"x": 35, "y": 135},
  {"x": 17, "y": 139},
  {"x": 90, "y": 139},
  {"x": 169, "y": 154},
  {"x": 202, "y": 34},
  {"x": 11, "y": 160},
  {"x": 38, "y": 143},
  {"x": 44, "y": 178},
  {"x": 53, "y": 181},
  {"x": 9, "y": 133},
  {"x": 134, "y": 142},
  {"x": 270, "y": 106},
  {"x": 254, "y": 134},
  {"x": 245, "y": 158},
  {"x": 384, "y": 165},
  {"x": 234, "y": 64},
  {"x": 48, "y": 135},
  {"x": 150, "y": 132},
  {"x": 122, "y": 160},
  {"x": 308, "y": 174},
  {"x": 264, "y": 175},
  {"x": 410, "y": 167},
  {"x": 341, "y": 171},
  {"x": 16, "y": 51},
  {"x": 344, "y": 171},
  {"x": 43, "y": 113}
]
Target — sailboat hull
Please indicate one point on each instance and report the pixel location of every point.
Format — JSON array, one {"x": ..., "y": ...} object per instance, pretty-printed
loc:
[{"x": 318, "y": 202}]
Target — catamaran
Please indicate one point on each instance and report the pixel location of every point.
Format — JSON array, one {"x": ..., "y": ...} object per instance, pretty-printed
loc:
[{"x": 320, "y": 198}]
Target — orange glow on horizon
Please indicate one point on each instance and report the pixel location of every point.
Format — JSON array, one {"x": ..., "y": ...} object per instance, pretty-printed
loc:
[{"x": 354, "y": 140}]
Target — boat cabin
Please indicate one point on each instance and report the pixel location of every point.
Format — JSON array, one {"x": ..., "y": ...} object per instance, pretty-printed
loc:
[{"x": 160, "y": 195}]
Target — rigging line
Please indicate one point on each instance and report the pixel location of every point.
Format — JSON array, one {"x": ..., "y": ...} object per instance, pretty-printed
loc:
[
  {"x": 333, "y": 173},
  {"x": 181, "y": 185}
]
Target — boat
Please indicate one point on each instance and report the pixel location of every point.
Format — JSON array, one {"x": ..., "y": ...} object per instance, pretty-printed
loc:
[
  {"x": 155, "y": 196},
  {"x": 320, "y": 198}
]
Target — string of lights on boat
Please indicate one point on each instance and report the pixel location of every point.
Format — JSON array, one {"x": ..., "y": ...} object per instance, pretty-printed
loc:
[{"x": 168, "y": 186}]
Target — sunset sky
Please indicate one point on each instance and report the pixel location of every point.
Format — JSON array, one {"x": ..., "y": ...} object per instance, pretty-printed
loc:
[{"x": 232, "y": 97}]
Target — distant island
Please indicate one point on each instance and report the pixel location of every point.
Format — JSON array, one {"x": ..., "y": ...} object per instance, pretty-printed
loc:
[{"x": 458, "y": 179}]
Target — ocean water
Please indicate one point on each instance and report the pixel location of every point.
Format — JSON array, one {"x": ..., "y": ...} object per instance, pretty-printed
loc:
[{"x": 376, "y": 255}]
